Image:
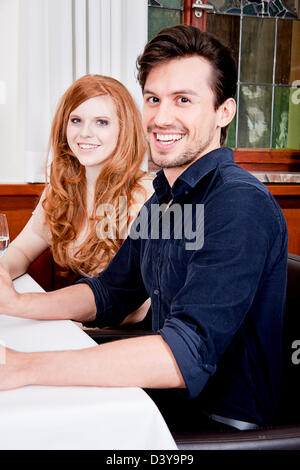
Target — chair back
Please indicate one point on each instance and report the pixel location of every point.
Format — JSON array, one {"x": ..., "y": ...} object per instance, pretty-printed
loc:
[{"x": 290, "y": 381}]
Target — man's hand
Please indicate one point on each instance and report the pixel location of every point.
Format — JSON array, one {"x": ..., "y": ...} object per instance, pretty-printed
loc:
[{"x": 9, "y": 297}]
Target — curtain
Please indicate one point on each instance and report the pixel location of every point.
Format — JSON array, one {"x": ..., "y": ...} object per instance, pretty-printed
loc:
[{"x": 62, "y": 40}]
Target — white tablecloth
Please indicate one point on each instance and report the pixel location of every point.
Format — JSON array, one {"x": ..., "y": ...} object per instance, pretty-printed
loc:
[{"x": 38, "y": 417}]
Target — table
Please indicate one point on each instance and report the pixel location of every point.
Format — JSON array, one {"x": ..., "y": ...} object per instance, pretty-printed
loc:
[{"x": 56, "y": 418}]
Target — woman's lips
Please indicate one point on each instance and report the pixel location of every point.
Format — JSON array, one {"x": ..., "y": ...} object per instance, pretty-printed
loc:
[{"x": 87, "y": 147}]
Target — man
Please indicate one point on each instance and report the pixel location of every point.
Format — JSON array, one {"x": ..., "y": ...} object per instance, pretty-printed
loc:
[{"x": 217, "y": 302}]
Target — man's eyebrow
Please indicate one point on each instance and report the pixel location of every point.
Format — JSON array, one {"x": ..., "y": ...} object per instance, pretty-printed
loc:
[
  {"x": 148, "y": 92},
  {"x": 186, "y": 91}
]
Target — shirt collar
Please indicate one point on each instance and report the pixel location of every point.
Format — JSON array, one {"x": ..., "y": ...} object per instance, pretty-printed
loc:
[{"x": 192, "y": 175}]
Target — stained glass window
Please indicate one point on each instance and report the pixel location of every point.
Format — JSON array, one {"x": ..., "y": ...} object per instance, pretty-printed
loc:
[
  {"x": 267, "y": 52},
  {"x": 261, "y": 8},
  {"x": 265, "y": 40}
]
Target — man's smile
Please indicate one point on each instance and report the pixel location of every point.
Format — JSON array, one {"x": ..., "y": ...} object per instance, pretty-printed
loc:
[{"x": 168, "y": 138}]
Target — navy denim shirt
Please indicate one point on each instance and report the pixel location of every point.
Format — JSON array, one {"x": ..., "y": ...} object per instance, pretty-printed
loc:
[{"x": 218, "y": 304}]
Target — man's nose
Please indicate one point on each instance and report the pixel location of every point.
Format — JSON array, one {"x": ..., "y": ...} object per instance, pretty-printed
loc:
[{"x": 164, "y": 115}]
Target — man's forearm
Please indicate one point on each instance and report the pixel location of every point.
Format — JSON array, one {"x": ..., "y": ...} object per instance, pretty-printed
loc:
[
  {"x": 71, "y": 303},
  {"x": 136, "y": 362}
]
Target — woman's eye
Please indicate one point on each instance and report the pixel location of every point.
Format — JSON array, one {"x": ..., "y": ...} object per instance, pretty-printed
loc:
[
  {"x": 75, "y": 120},
  {"x": 102, "y": 122}
]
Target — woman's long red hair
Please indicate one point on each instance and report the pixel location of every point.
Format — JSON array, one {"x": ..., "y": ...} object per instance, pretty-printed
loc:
[{"x": 65, "y": 201}]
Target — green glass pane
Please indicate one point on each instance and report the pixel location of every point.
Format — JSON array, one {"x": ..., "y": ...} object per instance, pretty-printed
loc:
[
  {"x": 286, "y": 126},
  {"x": 167, "y": 3},
  {"x": 226, "y": 6},
  {"x": 230, "y": 141},
  {"x": 281, "y": 117},
  {"x": 250, "y": 10},
  {"x": 258, "y": 39},
  {"x": 255, "y": 105},
  {"x": 159, "y": 18}
]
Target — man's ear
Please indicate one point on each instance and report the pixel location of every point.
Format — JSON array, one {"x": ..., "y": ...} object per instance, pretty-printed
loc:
[{"x": 226, "y": 112}]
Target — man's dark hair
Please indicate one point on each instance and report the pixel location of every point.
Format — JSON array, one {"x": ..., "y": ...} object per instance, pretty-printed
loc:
[{"x": 183, "y": 41}]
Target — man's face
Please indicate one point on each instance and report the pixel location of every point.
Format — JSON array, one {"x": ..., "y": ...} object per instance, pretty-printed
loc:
[{"x": 178, "y": 113}]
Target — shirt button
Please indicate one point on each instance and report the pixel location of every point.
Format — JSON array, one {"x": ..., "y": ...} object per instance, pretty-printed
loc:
[{"x": 156, "y": 292}]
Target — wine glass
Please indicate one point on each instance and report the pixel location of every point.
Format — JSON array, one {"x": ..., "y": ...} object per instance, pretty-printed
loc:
[{"x": 4, "y": 234}]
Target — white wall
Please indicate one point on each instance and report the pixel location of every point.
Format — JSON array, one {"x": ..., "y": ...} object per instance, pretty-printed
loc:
[
  {"x": 44, "y": 46},
  {"x": 11, "y": 111}
]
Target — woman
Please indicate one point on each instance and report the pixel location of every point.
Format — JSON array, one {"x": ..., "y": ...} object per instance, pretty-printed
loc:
[{"x": 98, "y": 146}]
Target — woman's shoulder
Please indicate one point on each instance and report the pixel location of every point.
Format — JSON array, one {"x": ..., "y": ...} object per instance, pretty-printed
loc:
[
  {"x": 147, "y": 182},
  {"x": 148, "y": 175},
  {"x": 39, "y": 207},
  {"x": 38, "y": 218}
]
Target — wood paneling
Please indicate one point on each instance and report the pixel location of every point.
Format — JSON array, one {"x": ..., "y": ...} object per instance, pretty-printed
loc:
[
  {"x": 18, "y": 201},
  {"x": 268, "y": 159},
  {"x": 190, "y": 18},
  {"x": 288, "y": 197}
]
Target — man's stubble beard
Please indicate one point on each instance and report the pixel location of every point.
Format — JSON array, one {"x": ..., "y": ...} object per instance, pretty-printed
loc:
[
  {"x": 184, "y": 159},
  {"x": 180, "y": 161}
]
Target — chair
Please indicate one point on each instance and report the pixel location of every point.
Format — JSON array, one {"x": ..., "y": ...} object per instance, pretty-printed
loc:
[{"x": 285, "y": 435}]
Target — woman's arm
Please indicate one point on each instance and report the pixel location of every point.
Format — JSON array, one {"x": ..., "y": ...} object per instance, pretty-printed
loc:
[
  {"x": 71, "y": 303},
  {"x": 22, "y": 252},
  {"x": 27, "y": 246}
]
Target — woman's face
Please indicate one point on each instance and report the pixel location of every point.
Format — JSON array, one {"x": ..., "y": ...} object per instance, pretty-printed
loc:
[{"x": 93, "y": 130}]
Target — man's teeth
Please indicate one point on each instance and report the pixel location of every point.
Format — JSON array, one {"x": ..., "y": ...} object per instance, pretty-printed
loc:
[
  {"x": 87, "y": 146},
  {"x": 168, "y": 138}
]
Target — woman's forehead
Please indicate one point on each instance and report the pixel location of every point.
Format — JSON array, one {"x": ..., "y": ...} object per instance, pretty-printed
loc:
[{"x": 97, "y": 105}]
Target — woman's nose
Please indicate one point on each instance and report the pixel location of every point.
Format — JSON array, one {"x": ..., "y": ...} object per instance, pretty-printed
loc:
[{"x": 86, "y": 129}]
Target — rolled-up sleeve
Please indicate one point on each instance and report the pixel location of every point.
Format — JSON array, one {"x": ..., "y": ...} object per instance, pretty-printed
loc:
[{"x": 222, "y": 279}]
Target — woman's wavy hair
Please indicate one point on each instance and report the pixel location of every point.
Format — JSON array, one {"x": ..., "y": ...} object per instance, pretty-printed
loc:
[{"x": 64, "y": 204}]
